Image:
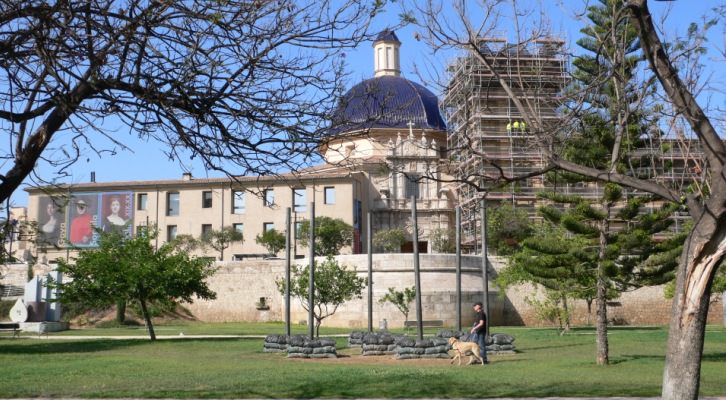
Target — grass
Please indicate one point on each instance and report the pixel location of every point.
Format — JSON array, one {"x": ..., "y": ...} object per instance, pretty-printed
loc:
[{"x": 546, "y": 365}]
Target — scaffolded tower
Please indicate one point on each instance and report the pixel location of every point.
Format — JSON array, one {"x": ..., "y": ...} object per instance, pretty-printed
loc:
[{"x": 488, "y": 136}]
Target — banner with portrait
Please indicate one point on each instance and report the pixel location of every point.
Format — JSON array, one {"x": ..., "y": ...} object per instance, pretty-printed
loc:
[
  {"x": 82, "y": 220},
  {"x": 51, "y": 220},
  {"x": 117, "y": 212}
]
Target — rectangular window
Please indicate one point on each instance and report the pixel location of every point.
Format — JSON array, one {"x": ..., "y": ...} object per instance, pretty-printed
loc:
[
  {"x": 172, "y": 204},
  {"x": 298, "y": 229},
  {"x": 238, "y": 202},
  {"x": 141, "y": 200},
  {"x": 329, "y": 195},
  {"x": 206, "y": 230},
  {"x": 299, "y": 199},
  {"x": 207, "y": 199},
  {"x": 170, "y": 232},
  {"x": 239, "y": 228},
  {"x": 269, "y": 199},
  {"x": 268, "y": 226},
  {"x": 412, "y": 186}
]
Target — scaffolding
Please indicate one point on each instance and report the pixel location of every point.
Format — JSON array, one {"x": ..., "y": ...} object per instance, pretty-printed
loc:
[
  {"x": 488, "y": 137},
  {"x": 488, "y": 134}
]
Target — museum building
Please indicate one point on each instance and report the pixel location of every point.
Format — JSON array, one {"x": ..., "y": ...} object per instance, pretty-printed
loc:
[{"x": 388, "y": 138}]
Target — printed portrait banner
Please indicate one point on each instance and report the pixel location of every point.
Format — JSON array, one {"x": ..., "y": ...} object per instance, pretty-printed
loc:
[
  {"x": 51, "y": 220},
  {"x": 74, "y": 223}
]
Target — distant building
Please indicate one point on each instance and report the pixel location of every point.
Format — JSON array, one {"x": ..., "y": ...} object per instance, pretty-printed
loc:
[{"x": 387, "y": 137}]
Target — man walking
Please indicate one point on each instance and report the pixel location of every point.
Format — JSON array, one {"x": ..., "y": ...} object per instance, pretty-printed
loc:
[{"x": 479, "y": 330}]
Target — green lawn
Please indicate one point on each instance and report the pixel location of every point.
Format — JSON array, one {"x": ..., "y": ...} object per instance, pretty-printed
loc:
[{"x": 546, "y": 365}]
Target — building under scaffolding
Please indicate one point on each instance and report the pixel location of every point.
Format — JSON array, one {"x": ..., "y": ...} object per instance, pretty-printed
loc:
[{"x": 489, "y": 139}]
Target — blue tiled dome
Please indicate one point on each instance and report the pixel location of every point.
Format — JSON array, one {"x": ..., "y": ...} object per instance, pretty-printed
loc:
[{"x": 387, "y": 102}]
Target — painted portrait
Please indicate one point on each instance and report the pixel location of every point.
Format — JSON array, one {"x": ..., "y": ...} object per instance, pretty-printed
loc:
[
  {"x": 82, "y": 219},
  {"x": 51, "y": 221},
  {"x": 116, "y": 212}
]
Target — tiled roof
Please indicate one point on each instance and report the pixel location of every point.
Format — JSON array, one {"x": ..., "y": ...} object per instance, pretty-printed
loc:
[
  {"x": 388, "y": 36},
  {"x": 387, "y": 102}
]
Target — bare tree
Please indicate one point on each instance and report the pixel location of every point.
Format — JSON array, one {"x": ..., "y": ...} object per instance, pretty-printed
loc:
[
  {"x": 705, "y": 247},
  {"x": 244, "y": 85}
]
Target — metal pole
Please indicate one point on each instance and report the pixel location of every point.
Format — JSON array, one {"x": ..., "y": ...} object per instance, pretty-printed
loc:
[
  {"x": 416, "y": 271},
  {"x": 369, "y": 245},
  {"x": 458, "y": 268},
  {"x": 311, "y": 287},
  {"x": 484, "y": 260},
  {"x": 288, "y": 232}
]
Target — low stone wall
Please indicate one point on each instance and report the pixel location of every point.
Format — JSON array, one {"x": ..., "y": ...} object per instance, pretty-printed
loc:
[{"x": 240, "y": 285}]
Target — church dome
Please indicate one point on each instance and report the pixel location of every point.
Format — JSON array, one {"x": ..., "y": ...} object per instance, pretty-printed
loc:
[{"x": 387, "y": 100}]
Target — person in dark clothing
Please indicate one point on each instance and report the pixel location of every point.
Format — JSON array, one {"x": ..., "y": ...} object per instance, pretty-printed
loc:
[{"x": 479, "y": 330}]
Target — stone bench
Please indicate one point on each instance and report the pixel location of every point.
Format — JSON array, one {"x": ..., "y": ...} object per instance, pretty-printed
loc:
[{"x": 435, "y": 323}]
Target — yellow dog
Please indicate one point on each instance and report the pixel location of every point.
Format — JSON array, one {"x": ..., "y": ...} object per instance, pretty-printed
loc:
[{"x": 460, "y": 348}]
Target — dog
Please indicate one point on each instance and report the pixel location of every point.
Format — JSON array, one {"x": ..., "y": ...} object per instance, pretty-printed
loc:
[{"x": 460, "y": 348}]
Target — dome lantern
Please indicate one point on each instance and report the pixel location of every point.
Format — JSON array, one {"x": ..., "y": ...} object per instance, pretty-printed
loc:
[{"x": 386, "y": 54}]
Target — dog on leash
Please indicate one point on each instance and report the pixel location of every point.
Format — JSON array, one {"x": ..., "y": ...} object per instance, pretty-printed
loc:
[{"x": 460, "y": 348}]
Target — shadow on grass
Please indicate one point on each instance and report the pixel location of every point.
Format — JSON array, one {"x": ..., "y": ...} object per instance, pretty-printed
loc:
[
  {"x": 635, "y": 357},
  {"x": 86, "y": 346},
  {"x": 76, "y": 346},
  {"x": 593, "y": 329},
  {"x": 714, "y": 357}
]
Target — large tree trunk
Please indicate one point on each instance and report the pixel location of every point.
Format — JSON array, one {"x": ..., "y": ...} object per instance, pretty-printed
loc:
[{"x": 703, "y": 253}]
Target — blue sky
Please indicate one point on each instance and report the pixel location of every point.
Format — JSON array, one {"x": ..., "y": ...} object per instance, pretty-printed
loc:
[{"x": 146, "y": 161}]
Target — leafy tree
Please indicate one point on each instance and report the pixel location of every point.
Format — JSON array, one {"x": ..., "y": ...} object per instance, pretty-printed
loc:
[
  {"x": 187, "y": 243},
  {"x": 390, "y": 240},
  {"x": 507, "y": 227},
  {"x": 331, "y": 235},
  {"x": 678, "y": 78},
  {"x": 443, "y": 240},
  {"x": 563, "y": 265},
  {"x": 334, "y": 285},
  {"x": 401, "y": 299},
  {"x": 227, "y": 81},
  {"x": 273, "y": 240},
  {"x": 221, "y": 239},
  {"x": 130, "y": 270}
]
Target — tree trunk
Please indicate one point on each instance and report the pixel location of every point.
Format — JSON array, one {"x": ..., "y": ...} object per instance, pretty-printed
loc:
[
  {"x": 121, "y": 312},
  {"x": 682, "y": 373},
  {"x": 603, "y": 357},
  {"x": 566, "y": 308},
  {"x": 147, "y": 318}
]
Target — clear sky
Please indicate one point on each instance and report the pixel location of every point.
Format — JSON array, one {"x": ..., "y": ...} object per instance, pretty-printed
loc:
[{"x": 146, "y": 161}]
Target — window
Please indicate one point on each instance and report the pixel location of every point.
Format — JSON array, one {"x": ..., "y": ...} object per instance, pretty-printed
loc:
[
  {"x": 206, "y": 230},
  {"x": 269, "y": 197},
  {"x": 268, "y": 226},
  {"x": 238, "y": 202},
  {"x": 299, "y": 199},
  {"x": 329, "y": 195},
  {"x": 239, "y": 228},
  {"x": 207, "y": 199},
  {"x": 298, "y": 229},
  {"x": 141, "y": 200},
  {"x": 170, "y": 232},
  {"x": 172, "y": 204},
  {"x": 412, "y": 185}
]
